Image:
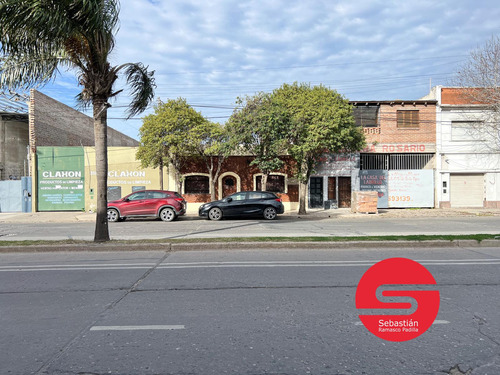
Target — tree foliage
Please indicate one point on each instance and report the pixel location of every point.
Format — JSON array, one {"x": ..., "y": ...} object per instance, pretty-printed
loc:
[
  {"x": 259, "y": 125},
  {"x": 38, "y": 37},
  {"x": 213, "y": 148},
  {"x": 170, "y": 136},
  {"x": 320, "y": 120}
]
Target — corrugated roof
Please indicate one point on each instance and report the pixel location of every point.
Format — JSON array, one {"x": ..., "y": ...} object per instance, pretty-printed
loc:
[{"x": 12, "y": 102}]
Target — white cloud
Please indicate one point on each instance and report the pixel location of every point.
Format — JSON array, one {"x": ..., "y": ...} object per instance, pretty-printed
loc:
[{"x": 212, "y": 52}]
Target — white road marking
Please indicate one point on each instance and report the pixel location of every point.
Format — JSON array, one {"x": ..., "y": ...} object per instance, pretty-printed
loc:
[
  {"x": 236, "y": 264},
  {"x": 83, "y": 265},
  {"x": 137, "y": 328},
  {"x": 22, "y": 269}
]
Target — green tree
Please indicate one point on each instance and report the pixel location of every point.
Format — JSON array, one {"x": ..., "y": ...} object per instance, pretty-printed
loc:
[
  {"x": 39, "y": 37},
  {"x": 259, "y": 125},
  {"x": 213, "y": 148},
  {"x": 170, "y": 135},
  {"x": 320, "y": 120}
]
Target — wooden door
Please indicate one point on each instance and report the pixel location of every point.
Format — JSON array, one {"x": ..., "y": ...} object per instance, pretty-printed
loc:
[{"x": 344, "y": 192}]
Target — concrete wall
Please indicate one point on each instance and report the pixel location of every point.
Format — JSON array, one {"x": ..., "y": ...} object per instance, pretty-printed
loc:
[
  {"x": 124, "y": 175},
  {"x": 14, "y": 141},
  {"x": 53, "y": 123},
  {"x": 476, "y": 155}
]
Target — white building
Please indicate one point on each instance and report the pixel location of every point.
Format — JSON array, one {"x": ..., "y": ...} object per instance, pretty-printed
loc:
[{"x": 467, "y": 151}]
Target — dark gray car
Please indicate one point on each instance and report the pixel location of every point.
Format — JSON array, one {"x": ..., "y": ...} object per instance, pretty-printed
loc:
[{"x": 245, "y": 203}]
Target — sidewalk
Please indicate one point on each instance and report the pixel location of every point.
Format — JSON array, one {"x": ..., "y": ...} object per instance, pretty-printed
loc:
[{"x": 79, "y": 217}]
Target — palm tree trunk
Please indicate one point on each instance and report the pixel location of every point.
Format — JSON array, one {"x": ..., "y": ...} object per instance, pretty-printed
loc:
[{"x": 101, "y": 158}]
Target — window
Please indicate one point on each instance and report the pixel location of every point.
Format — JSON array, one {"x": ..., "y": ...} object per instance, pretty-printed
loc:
[
  {"x": 395, "y": 161},
  {"x": 157, "y": 195},
  {"x": 255, "y": 195},
  {"x": 408, "y": 119},
  {"x": 196, "y": 185},
  {"x": 466, "y": 131},
  {"x": 239, "y": 196},
  {"x": 137, "y": 196},
  {"x": 366, "y": 116},
  {"x": 275, "y": 183},
  {"x": 114, "y": 193}
]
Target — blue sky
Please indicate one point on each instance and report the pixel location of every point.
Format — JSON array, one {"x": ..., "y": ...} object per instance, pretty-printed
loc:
[{"x": 212, "y": 52}]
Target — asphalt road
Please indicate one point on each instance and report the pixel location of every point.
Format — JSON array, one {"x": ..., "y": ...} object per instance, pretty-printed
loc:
[
  {"x": 236, "y": 312},
  {"x": 282, "y": 227}
]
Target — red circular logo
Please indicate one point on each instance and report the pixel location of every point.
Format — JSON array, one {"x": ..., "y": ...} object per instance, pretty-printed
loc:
[{"x": 399, "y": 320}]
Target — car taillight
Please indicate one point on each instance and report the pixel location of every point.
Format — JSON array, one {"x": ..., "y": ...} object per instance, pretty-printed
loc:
[
  {"x": 278, "y": 200},
  {"x": 180, "y": 200}
]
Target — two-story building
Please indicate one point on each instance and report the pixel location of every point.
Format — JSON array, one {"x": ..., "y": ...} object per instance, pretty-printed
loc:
[
  {"x": 468, "y": 153},
  {"x": 398, "y": 161}
]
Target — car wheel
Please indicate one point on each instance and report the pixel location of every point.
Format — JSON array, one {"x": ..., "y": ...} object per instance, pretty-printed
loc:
[
  {"x": 215, "y": 213},
  {"x": 270, "y": 213},
  {"x": 167, "y": 214},
  {"x": 113, "y": 215}
]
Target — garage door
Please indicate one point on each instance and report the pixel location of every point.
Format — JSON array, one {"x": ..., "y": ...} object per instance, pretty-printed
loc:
[{"x": 467, "y": 190}]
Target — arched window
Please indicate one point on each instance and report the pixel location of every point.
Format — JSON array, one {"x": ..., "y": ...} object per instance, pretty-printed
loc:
[
  {"x": 275, "y": 183},
  {"x": 196, "y": 184}
]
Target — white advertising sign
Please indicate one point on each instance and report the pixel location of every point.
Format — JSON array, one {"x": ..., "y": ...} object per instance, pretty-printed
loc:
[{"x": 411, "y": 188}]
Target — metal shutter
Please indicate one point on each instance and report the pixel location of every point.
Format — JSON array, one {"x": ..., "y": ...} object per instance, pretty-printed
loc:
[{"x": 467, "y": 190}]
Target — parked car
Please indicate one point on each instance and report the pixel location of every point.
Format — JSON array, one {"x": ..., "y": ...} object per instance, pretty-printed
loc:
[
  {"x": 167, "y": 205},
  {"x": 244, "y": 203}
]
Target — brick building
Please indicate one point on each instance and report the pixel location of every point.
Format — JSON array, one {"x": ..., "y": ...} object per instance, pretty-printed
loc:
[
  {"x": 399, "y": 159},
  {"x": 401, "y": 136},
  {"x": 236, "y": 175}
]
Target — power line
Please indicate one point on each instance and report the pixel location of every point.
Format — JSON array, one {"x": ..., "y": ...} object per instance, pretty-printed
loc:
[{"x": 316, "y": 65}]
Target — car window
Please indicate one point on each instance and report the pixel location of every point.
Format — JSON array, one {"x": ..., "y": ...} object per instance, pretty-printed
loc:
[
  {"x": 256, "y": 195},
  {"x": 239, "y": 196},
  {"x": 137, "y": 196},
  {"x": 157, "y": 195},
  {"x": 269, "y": 196}
]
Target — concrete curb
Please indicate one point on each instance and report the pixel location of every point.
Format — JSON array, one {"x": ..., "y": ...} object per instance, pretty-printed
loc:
[
  {"x": 86, "y": 247},
  {"x": 332, "y": 245},
  {"x": 206, "y": 246}
]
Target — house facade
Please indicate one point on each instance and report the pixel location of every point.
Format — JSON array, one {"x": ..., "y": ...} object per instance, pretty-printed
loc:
[
  {"x": 422, "y": 153},
  {"x": 399, "y": 159},
  {"x": 467, "y": 152},
  {"x": 236, "y": 174}
]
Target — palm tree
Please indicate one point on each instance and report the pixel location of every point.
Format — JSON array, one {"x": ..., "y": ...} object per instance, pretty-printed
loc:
[{"x": 40, "y": 36}]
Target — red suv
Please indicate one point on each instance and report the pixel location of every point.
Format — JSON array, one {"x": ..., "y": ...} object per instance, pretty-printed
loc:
[{"x": 166, "y": 205}]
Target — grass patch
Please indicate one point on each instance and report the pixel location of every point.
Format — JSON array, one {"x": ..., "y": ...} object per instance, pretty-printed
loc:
[{"x": 417, "y": 238}]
